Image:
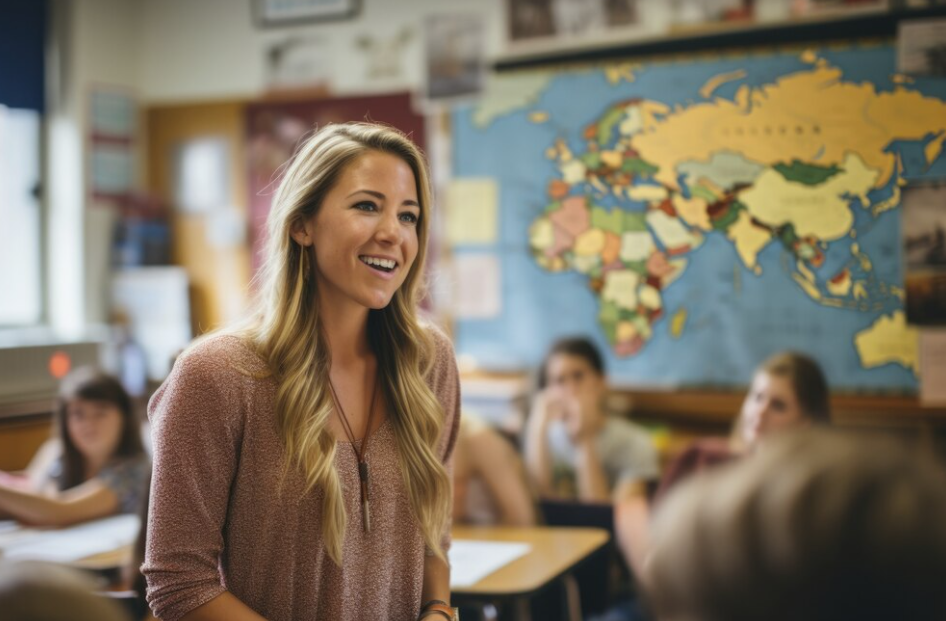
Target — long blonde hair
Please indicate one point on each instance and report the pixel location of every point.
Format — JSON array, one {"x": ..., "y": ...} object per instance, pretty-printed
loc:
[{"x": 286, "y": 334}]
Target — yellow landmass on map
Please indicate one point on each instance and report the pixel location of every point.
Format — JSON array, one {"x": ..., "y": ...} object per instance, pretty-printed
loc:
[
  {"x": 808, "y": 286},
  {"x": 841, "y": 288},
  {"x": 590, "y": 243},
  {"x": 706, "y": 91},
  {"x": 620, "y": 287},
  {"x": 647, "y": 193},
  {"x": 692, "y": 211},
  {"x": 671, "y": 231},
  {"x": 860, "y": 291},
  {"x": 677, "y": 323},
  {"x": 866, "y": 264},
  {"x": 749, "y": 240},
  {"x": 626, "y": 331},
  {"x": 538, "y": 116},
  {"x": 820, "y": 210},
  {"x": 889, "y": 340},
  {"x": 889, "y": 203},
  {"x": 542, "y": 234},
  {"x": 650, "y": 297},
  {"x": 622, "y": 72},
  {"x": 933, "y": 148},
  {"x": 802, "y": 115},
  {"x": 507, "y": 93}
]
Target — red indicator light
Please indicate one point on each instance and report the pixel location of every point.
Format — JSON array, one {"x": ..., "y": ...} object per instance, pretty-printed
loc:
[{"x": 59, "y": 364}]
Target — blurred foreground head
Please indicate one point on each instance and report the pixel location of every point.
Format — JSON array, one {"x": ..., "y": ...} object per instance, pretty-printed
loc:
[
  {"x": 816, "y": 527},
  {"x": 33, "y": 591}
]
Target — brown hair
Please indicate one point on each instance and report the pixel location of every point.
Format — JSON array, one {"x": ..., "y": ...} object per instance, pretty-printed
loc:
[
  {"x": 819, "y": 526},
  {"x": 807, "y": 379},
  {"x": 577, "y": 346},
  {"x": 92, "y": 385}
]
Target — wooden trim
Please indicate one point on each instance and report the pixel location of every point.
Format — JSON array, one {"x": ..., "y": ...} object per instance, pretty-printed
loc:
[{"x": 720, "y": 408}]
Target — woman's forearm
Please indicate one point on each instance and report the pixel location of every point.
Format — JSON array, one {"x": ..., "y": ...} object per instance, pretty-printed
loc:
[
  {"x": 224, "y": 607},
  {"x": 436, "y": 580}
]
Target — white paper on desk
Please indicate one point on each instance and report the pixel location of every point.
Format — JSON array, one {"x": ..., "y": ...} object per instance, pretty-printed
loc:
[
  {"x": 471, "y": 561},
  {"x": 66, "y": 545}
]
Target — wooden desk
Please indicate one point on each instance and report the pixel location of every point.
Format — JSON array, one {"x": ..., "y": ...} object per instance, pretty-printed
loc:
[{"x": 554, "y": 552}]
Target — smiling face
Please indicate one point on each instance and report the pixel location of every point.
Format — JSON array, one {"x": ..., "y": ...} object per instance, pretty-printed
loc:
[
  {"x": 364, "y": 233},
  {"x": 95, "y": 427},
  {"x": 771, "y": 406}
]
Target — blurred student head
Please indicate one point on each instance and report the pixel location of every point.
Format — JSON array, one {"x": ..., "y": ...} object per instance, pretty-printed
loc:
[
  {"x": 573, "y": 367},
  {"x": 95, "y": 421},
  {"x": 817, "y": 527},
  {"x": 33, "y": 591},
  {"x": 788, "y": 391}
]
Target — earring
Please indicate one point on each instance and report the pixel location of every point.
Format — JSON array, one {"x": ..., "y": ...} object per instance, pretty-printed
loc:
[{"x": 304, "y": 262}]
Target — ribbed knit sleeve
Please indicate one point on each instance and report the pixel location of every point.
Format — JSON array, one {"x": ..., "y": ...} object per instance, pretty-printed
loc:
[{"x": 196, "y": 428}]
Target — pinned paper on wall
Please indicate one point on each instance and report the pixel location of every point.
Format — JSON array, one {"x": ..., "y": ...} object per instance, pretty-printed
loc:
[
  {"x": 202, "y": 175},
  {"x": 472, "y": 209},
  {"x": 932, "y": 367},
  {"x": 476, "y": 285}
]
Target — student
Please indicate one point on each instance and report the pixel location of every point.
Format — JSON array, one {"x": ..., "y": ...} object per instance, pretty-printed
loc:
[
  {"x": 575, "y": 450},
  {"x": 94, "y": 467},
  {"x": 817, "y": 526},
  {"x": 34, "y": 591},
  {"x": 788, "y": 392},
  {"x": 489, "y": 479},
  {"x": 301, "y": 461}
]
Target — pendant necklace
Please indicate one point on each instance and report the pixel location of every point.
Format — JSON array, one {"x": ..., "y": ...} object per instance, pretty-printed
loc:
[{"x": 360, "y": 454}]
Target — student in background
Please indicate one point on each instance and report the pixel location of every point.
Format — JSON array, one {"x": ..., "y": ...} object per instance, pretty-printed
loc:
[
  {"x": 817, "y": 526},
  {"x": 33, "y": 591},
  {"x": 489, "y": 480},
  {"x": 575, "y": 450},
  {"x": 95, "y": 465},
  {"x": 302, "y": 461},
  {"x": 788, "y": 392}
]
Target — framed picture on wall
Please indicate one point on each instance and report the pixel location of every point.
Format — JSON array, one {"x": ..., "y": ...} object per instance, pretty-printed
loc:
[{"x": 268, "y": 13}]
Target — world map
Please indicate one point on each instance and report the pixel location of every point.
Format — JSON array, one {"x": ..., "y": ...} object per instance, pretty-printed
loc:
[{"x": 695, "y": 216}]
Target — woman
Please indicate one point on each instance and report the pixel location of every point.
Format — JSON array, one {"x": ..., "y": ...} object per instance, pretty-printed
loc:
[
  {"x": 788, "y": 391},
  {"x": 94, "y": 467},
  {"x": 301, "y": 462}
]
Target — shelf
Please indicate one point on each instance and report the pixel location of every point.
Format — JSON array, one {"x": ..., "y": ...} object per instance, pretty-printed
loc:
[{"x": 811, "y": 30}]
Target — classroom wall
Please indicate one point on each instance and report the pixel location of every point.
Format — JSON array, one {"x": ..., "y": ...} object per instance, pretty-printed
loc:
[
  {"x": 212, "y": 49},
  {"x": 95, "y": 43}
]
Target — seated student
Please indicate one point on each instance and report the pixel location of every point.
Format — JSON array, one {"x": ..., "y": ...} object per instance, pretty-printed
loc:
[
  {"x": 489, "y": 481},
  {"x": 575, "y": 450},
  {"x": 34, "y": 591},
  {"x": 818, "y": 526},
  {"x": 94, "y": 467},
  {"x": 788, "y": 391}
]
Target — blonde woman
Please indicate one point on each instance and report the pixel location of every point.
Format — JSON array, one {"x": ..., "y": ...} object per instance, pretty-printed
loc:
[{"x": 301, "y": 462}]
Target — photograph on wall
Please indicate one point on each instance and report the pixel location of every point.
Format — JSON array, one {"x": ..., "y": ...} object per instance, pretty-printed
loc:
[
  {"x": 455, "y": 47},
  {"x": 924, "y": 251},
  {"x": 533, "y": 20}
]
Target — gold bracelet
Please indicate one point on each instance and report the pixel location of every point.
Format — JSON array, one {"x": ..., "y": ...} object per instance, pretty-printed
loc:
[{"x": 448, "y": 613}]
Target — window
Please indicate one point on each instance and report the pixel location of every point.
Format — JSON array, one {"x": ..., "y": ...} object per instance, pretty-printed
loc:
[{"x": 21, "y": 296}]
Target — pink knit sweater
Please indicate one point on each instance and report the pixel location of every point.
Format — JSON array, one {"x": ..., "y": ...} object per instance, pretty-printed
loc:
[{"x": 218, "y": 520}]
